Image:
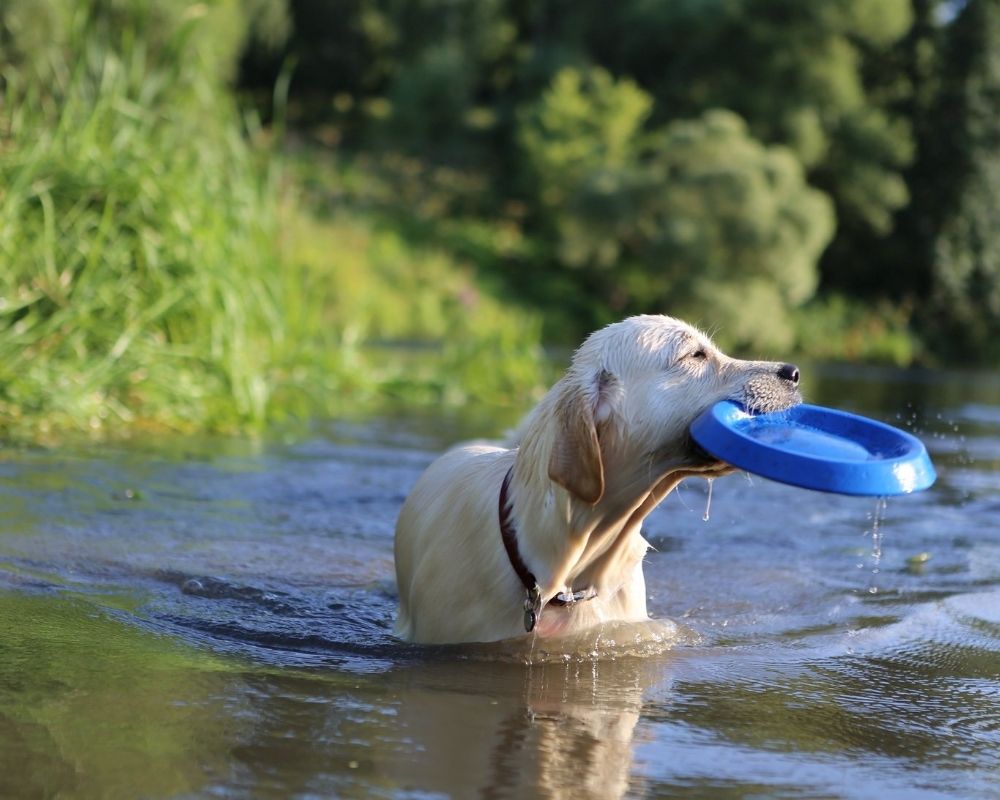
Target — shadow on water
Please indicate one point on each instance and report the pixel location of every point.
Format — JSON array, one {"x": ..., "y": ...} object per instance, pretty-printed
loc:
[{"x": 208, "y": 619}]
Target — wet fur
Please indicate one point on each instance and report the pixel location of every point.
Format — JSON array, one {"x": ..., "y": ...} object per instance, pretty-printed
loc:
[{"x": 600, "y": 451}]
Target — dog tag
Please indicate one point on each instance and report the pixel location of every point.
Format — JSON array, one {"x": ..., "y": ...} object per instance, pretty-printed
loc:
[
  {"x": 530, "y": 618},
  {"x": 532, "y": 607}
]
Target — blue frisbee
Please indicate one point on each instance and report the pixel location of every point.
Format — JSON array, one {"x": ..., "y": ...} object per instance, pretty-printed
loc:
[{"x": 817, "y": 448}]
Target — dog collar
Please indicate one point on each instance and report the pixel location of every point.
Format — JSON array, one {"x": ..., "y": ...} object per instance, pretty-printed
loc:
[{"x": 533, "y": 592}]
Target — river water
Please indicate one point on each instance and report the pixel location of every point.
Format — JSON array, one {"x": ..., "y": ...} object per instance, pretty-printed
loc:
[{"x": 184, "y": 618}]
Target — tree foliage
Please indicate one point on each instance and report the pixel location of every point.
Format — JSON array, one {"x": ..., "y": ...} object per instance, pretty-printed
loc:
[
  {"x": 794, "y": 70},
  {"x": 39, "y": 37},
  {"x": 579, "y": 103},
  {"x": 694, "y": 215},
  {"x": 966, "y": 252}
]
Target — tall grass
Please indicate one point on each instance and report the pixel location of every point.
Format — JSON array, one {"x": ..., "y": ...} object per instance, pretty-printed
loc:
[
  {"x": 137, "y": 256},
  {"x": 156, "y": 269}
]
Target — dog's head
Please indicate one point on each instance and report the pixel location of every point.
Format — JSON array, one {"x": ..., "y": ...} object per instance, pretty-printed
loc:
[{"x": 632, "y": 392}]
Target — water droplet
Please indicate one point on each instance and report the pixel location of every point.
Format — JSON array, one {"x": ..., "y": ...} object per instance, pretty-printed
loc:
[{"x": 708, "y": 501}]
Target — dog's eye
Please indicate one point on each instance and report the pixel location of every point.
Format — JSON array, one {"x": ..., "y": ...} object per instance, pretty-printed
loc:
[{"x": 698, "y": 355}]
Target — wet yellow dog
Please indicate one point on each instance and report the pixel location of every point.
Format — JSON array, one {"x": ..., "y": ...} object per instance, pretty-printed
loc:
[{"x": 545, "y": 537}]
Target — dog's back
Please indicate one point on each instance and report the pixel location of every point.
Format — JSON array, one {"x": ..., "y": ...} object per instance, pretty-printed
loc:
[{"x": 448, "y": 548}]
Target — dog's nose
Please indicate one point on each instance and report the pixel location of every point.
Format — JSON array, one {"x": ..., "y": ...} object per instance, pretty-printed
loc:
[{"x": 789, "y": 372}]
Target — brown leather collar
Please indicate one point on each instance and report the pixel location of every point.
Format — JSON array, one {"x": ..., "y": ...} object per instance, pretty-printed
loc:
[{"x": 533, "y": 600}]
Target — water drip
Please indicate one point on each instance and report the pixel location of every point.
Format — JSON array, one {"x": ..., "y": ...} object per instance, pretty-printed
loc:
[
  {"x": 878, "y": 517},
  {"x": 708, "y": 501}
]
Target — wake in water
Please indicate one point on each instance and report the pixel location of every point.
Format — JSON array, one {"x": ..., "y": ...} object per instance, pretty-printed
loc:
[
  {"x": 607, "y": 642},
  {"x": 351, "y": 627}
]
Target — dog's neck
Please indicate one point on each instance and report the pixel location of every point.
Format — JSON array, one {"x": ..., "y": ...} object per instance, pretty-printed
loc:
[
  {"x": 572, "y": 546},
  {"x": 534, "y": 597}
]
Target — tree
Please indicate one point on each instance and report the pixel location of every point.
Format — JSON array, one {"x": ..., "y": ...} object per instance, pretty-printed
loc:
[
  {"x": 696, "y": 218},
  {"x": 965, "y": 309},
  {"x": 800, "y": 74}
]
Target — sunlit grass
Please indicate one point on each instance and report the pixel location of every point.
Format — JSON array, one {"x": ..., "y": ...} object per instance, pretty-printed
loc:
[
  {"x": 391, "y": 322},
  {"x": 158, "y": 270}
]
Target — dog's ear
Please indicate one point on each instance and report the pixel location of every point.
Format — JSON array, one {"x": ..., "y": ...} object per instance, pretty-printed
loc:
[{"x": 576, "y": 463}]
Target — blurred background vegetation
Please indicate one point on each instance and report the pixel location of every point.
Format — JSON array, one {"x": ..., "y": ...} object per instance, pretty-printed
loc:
[{"x": 220, "y": 215}]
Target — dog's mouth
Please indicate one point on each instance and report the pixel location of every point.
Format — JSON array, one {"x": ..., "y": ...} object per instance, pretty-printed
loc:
[
  {"x": 760, "y": 395},
  {"x": 700, "y": 456}
]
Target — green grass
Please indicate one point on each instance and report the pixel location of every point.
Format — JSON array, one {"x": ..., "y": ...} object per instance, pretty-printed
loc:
[{"x": 157, "y": 269}]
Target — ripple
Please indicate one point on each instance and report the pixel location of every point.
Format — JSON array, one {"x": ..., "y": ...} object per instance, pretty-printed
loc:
[
  {"x": 982, "y": 722},
  {"x": 980, "y": 612},
  {"x": 979, "y": 413}
]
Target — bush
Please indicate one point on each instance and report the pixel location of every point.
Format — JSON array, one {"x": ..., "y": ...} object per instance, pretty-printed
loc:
[
  {"x": 698, "y": 218},
  {"x": 836, "y": 328}
]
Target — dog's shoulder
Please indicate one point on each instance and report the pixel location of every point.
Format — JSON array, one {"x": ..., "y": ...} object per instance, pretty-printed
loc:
[
  {"x": 478, "y": 447},
  {"x": 470, "y": 454},
  {"x": 468, "y": 465}
]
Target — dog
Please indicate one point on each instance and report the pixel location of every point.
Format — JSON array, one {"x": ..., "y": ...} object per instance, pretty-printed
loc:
[{"x": 544, "y": 538}]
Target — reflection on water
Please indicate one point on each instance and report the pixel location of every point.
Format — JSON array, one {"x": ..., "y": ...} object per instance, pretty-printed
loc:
[
  {"x": 213, "y": 619},
  {"x": 92, "y": 707}
]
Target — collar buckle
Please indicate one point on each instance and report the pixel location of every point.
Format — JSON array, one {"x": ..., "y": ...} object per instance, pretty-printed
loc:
[{"x": 568, "y": 598}]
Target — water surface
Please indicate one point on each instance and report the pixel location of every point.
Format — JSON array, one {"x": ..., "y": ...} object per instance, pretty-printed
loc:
[{"x": 192, "y": 619}]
